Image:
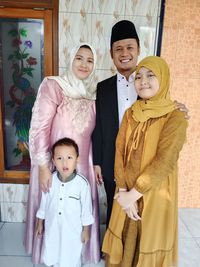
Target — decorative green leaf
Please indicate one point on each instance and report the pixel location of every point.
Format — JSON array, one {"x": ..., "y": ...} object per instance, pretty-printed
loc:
[
  {"x": 30, "y": 74},
  {"x": 25, "y": 55},
  {"x": 16, "y": 152},
  {"x": 23, "y": 32},
  {"x": 30, "y": 69},
  {"x": 17, "y": 54},
  {"x": 13, "y": 33},
  {"x": 25, "y": 70},
  {"x": 10, "y": 57}
]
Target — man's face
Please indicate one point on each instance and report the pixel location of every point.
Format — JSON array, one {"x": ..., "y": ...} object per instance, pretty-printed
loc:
[{"x": 125, "y": 55}]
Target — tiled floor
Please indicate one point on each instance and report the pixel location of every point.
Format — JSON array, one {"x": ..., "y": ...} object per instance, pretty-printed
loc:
[{"x": 12, "y": 252}]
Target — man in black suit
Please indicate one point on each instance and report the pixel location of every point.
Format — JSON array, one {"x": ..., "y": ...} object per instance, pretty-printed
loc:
[{"x": 114, "y": 96}]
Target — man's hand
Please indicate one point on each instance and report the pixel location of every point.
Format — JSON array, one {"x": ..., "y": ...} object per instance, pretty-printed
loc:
[
  {"x": 98, "y": 174},
  {"x": 45, "y": 178},
  {"x": 182, "y": 108}
]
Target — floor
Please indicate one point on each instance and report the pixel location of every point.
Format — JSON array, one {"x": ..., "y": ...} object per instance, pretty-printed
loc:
[{"x": 12, "y": 253}]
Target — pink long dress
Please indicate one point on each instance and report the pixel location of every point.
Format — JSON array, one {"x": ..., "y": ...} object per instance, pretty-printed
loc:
[{"x": 56, "y": 116}]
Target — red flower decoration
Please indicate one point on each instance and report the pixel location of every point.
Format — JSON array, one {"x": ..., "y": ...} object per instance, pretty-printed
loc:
[
  {"x": 16, "y": 42},
  {"x": 31, "y": 61}
]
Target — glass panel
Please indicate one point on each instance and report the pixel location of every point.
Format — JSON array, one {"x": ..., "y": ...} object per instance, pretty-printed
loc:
[{"x": 21, "y": 72}]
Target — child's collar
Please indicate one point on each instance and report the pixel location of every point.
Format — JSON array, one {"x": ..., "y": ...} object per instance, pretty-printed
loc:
[{"x": 69, "y": 178}]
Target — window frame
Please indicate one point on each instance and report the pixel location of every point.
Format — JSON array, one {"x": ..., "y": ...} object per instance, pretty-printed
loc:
[{"x": 50, "y": 68}]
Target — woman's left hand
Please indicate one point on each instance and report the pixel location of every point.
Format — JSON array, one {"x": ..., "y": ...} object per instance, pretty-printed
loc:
[
  {"x": 126, "y": 199},
  {"x": 132, "y": 212}
]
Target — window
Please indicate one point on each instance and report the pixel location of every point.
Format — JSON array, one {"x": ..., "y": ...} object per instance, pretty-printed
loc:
[{"x": 26, "y": 56}]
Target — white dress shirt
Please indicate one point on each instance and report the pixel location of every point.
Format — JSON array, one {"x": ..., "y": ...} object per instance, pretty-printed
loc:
[{"x": 126, "y": 94}]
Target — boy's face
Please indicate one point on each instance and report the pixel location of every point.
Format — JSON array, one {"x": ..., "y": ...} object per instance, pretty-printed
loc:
[
  {"x": 65, "y": 159},
  {"x": 83, "y": 63},
  {"x": 125, "y": 55}
]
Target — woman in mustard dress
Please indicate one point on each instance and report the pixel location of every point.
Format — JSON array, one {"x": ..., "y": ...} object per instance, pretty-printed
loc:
[{"x": 143, "y": 226}]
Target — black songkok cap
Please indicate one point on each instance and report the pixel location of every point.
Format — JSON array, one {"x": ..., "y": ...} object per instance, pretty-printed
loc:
[{"x": 123, "y": 29}]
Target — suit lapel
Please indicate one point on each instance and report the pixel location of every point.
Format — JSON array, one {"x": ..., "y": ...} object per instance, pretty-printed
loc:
[{"x": 113, "y": 99}]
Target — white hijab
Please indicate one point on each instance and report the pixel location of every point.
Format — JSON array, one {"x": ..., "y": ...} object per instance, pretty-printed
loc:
[{"x": 74, "y": 87}]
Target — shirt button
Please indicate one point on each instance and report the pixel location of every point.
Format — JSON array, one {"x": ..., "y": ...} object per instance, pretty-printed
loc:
[
  {"x": 62, "y": 184},
  {"x": 61, "y": 198},
  {"x": 127, "y": 99},
  {"x": 127, "y": 85},
  {"x": 59, "y": 213}
]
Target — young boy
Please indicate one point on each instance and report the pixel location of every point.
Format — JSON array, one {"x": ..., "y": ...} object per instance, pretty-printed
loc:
[{"x": 66, "y": 209}]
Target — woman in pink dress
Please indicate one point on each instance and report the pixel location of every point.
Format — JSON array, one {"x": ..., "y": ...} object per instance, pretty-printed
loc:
[{"x": 64, "y": 107}]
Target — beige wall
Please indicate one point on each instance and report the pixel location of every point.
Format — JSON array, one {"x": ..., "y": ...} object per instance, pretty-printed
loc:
[{"x": 181, "y": 48}]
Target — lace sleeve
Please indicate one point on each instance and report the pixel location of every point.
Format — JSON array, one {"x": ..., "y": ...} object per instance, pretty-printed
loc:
[{"x": 43, "y": 112}]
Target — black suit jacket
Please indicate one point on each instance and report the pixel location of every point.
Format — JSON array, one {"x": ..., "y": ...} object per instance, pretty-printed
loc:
[{"x": 107, "y": 126}]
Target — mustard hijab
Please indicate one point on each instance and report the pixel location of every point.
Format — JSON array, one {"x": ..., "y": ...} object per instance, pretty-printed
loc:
[
  {"x": 160, "y": 104},
  {"x": 156, "y": 106}
]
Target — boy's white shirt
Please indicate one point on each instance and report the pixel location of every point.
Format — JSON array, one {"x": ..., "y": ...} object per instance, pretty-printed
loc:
[{"x": 66, "y": 208}]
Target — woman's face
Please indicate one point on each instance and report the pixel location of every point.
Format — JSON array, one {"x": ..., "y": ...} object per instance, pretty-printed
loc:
[
  {"x": 146, "y": 83},
  {"x": 83, "y": 63}
]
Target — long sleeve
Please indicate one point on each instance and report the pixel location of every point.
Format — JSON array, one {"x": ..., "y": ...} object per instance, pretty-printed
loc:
[
  {"x": 86, "y": 204},
  {"x": 41, "y": 211},
  {"x": 119, "y": 154},
  {"x": 170, "y": 144},
  {"x": 97, "y": 134},
  {"x": 44, "y": 110}
]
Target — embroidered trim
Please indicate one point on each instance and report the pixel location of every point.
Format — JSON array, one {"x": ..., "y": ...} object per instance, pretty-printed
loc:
[{"x": 79, "y": 110}]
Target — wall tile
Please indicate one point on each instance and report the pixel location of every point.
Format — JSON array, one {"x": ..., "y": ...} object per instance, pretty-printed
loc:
[
  {"x": 169, "y": 40},
  {"x": 188, "y": 51},
  {"x": 14, "y": 192},
  {"x": 13, "y": 212},
  {"x": 114, "y": 7},
  {"x": 104, "y": 74},
  {"x": 101, "y": 32},
  {"x": 187, "y": 92},
  {"x": 182, "y": 12},
  {"x": 146, "y": 29},
  {"x": 84, "y": 6},
  {"x": 70, "y": 33},
  {"x": 181, "y": 42},
  {"x": 142, "y": 8}
]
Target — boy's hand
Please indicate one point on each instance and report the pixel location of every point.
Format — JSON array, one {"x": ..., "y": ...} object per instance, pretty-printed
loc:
[
  {"x": 85, "y": 235},
  {"x": 39, "y": 227}
]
